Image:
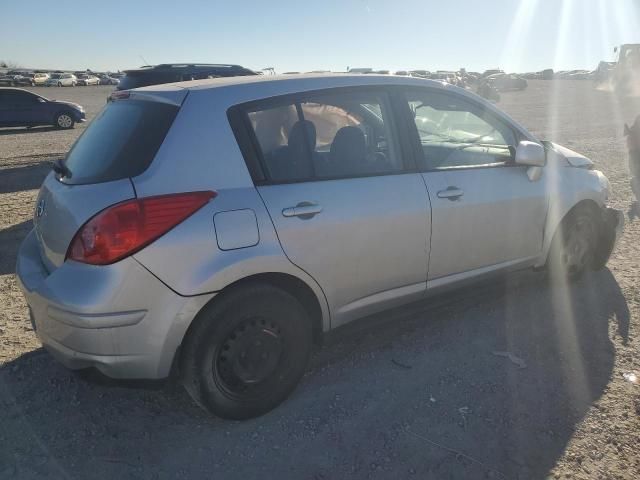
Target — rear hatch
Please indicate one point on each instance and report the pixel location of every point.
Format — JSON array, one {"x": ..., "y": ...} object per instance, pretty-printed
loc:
[{"x": 120, "y": 143}]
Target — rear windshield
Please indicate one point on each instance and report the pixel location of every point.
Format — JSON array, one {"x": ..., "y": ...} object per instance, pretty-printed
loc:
[{"x": 120, "y": 142}]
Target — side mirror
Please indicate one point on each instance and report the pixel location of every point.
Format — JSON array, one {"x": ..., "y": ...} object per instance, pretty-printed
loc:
[{"x": 530, "y": 154}]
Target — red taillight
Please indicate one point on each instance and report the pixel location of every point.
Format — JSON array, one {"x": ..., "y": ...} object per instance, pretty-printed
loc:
[{"x": 127, "y": 227}]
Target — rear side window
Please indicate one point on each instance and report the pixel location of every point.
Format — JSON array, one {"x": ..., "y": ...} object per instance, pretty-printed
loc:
[
  {"x": 325, "y": 136},
  {"x": 120, "y": 142}
]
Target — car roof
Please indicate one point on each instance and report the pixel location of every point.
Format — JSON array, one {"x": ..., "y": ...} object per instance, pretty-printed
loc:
[
  {"x": 269, "y": 85},
  {"x": 242, "y": 89},
  {"x": 231, "y": 91},
  {"x": 4, "y": 89},
  {"x": 180, "y": 67},
  {"x": 236, "y": 90}
]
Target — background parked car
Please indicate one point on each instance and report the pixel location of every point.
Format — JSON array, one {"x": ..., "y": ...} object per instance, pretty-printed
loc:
[
  {"x": 7, "y": 80},
  {"x": 85, "y": 79},
  {"x": 108, "y": 80},
  {"x": 173, "y": 72},
  {"x": 504, "y": 81},
  {"x": 23, "y": 78},
  {"x": 21, "y": 108},
  {"x": 488, "y": 73},
  {"x": 53, "y": 79},
  {"x": 62, "y": 80},
  {"x": 40, "y": 78}
]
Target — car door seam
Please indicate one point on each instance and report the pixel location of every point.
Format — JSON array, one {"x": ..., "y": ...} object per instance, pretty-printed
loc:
[{"x": 288, "y": 258}]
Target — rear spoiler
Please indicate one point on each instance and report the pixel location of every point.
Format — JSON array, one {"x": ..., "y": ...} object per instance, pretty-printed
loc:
[{"x": 158, "y": 93}]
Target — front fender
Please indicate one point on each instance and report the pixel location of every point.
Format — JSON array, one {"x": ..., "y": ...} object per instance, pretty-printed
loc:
[{"x": 567, "y": 187}]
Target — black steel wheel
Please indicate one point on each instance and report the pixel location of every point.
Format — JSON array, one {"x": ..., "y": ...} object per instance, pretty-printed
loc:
[{"x": 246, "y": 351}]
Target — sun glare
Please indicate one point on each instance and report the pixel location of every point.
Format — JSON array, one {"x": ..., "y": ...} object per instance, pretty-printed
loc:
[{"x": 515, "y": 45}]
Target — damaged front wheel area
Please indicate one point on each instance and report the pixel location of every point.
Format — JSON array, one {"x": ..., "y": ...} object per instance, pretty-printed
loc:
[{"x": 584, "y": 241}]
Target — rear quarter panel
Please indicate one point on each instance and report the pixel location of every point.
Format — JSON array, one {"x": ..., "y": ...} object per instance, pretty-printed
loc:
[{"x": 200, "y": 153}]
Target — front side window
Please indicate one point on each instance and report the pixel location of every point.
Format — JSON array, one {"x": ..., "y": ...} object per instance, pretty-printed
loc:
[
  {"x": 325, "y": 136},
  {"x": 457, "y": 133}
]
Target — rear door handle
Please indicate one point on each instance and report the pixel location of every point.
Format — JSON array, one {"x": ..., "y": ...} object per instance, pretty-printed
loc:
[
  {"x": 302, "y": 210},
  {"x": 451, "y": 193}
]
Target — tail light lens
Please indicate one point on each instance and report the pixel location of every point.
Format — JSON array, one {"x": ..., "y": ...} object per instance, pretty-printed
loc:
[{"x": 127, "y": 227}]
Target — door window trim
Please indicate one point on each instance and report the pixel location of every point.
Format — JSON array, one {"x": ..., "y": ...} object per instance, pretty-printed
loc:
[
  {"x": 252, "y": 153},
  {"x": 414, "y": 136}
]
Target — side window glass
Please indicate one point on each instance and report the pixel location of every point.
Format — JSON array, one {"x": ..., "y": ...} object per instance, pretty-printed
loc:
[
  {"x": 273, "y": 128},
  {"x": 326, "y": 136},
  {"x": 456, "y": 133},
  {"x": 20, "y": 99}
]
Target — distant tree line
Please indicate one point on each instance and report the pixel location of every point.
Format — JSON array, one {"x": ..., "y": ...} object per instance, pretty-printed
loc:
[{"x": 7, "y": 64}]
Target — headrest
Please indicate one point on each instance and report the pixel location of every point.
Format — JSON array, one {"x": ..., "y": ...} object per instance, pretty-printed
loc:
[
  {"x": 349, "y": 145},
  {"x": 302, "y": 131}
]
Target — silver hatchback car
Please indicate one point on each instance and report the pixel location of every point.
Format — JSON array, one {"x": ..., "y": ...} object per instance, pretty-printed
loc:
[{"x": 221, "y": 226}]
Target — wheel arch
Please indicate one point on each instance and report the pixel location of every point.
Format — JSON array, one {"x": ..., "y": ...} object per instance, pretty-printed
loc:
[
  {"x": 558, "y": 215},
  {"x": 294, "y": 286},
  {"x": 301, "y": 290}
]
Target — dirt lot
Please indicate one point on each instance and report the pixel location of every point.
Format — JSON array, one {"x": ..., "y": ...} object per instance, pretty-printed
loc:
[{"x": 415, "y": 393}]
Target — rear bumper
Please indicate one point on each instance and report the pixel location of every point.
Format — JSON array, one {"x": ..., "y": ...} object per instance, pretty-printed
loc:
[{"x": 118, "y": 318}]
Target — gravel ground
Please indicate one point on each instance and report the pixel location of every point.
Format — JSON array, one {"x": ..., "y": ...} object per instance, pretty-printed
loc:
[{"x": 420, "y": 392}]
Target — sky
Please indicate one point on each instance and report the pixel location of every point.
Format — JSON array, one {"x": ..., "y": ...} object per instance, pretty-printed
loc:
[{"x": 303, "y": 35}]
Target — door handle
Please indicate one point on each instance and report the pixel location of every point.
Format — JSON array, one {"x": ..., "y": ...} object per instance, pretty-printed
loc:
[
  {"x": 451, "y": 193},
  {"x": 302, "y": 210}
]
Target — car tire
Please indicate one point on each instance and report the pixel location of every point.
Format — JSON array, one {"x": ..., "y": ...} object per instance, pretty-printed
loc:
[
  {"x": 59, "y": 84},
  {"x": 574, "y": 245},
  {"x": 246, "y": 351},
  {"x": 64, "y": 121}
]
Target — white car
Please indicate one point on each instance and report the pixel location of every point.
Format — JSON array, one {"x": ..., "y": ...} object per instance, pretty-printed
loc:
[
  {"x": 40, "y": 78},
  {"x": 88, "y": 80},
  {"x": 61, "y": 80}
]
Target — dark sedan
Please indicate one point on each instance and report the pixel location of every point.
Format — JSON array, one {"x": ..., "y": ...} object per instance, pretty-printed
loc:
[{"x": 21, "y": 108}]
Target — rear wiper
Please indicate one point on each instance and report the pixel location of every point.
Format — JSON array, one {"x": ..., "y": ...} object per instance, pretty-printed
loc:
[{"x": 60, "y": 168}]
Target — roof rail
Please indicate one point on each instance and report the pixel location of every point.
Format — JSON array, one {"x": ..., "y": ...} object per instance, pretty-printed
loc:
[{"x": 182, "y": 65}]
